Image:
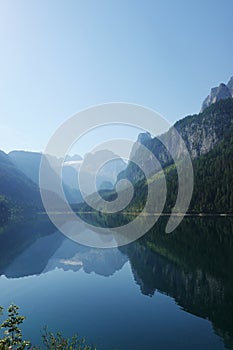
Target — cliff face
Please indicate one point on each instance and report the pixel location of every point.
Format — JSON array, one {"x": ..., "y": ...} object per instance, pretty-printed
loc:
[
  {"x": 222, "y": 92},
  {"x": 200, "y": 133}
]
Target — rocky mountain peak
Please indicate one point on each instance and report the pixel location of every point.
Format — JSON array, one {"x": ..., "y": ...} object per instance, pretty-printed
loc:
[
  {"x": 143, "y": 138},
  {"x": 230, "y": 85},
  {"x": 222, "y": 92}
]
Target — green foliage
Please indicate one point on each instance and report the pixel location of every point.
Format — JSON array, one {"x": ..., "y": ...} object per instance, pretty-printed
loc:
[
  {"x": 13, "y": 338},
  {"x": 57, "y": 341},
  {"x": 213, "y": 172},
  {"x": 213, "y": 191},
  {"x": 20, "y": 194},
  {"x": 4, "y": 210}
]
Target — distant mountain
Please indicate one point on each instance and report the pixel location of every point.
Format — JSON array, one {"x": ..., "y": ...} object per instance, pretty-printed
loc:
[
  {"x": 16, "y": 188},
  {"x": 19, "y": 195},
  {"x": 106, "y": 185},
  {"x": 222, "y": 92},
  {"x": 29, "y": 164},
  {"x": 106, "y": 174},
  {"x": 74, "y": 158}
]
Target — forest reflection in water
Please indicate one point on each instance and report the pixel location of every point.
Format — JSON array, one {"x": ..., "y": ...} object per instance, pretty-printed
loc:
[{"x": 193, "y": 265}]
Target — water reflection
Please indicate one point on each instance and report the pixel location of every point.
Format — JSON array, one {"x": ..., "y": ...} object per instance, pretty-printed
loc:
[
  {"x": 34, "y": 248},
  {"x": 193, "y": 265}
]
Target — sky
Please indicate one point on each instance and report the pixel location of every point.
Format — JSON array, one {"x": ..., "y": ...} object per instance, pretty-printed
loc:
[{"x": 58, "y": 57}]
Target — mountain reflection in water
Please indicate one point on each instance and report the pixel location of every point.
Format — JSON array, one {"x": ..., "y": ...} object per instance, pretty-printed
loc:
[{"x": 193, "y": 265}]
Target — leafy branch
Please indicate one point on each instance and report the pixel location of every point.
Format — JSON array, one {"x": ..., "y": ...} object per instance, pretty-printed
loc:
[{"x": 13, "y": 336}]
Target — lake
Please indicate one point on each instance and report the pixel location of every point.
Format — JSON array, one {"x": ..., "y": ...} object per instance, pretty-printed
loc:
[{"x": 161, "y": 292}]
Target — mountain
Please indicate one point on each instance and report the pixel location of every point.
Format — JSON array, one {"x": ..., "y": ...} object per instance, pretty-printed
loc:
[
  {"x": 94, "y": 164},
  {"x": 29, "y": 164},
  {"x": 105, "y": 165},
  {"x": 209, "y": 139},
  {"x": 213, "y": 179},
  {"x": 17, "y": 191},
  {"x": 213, "y": 174},
  {"x": 213, "y": 170},
  {"x": 19, "y": 195},
  {"x": 200, "y": 132},
  {"x": 74, "y": 158},
  {"x": 222, "y": 92}
]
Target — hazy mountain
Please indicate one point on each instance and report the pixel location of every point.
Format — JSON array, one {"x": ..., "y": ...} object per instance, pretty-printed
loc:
[
  {"x": 106, "y": 172},
  {"x": 106, "y": 185},
  {"x": 16, "y": 187},
  {"x": 74, "y": 158},
  {"x": 103, "y": 177},
  {"x": 19, "y": 195},
  {"x": 29, "y": 164}
]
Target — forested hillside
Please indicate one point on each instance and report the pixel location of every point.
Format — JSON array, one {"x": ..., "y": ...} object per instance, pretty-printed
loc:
[
  {"x": 213, "y": 168},
  {"x": 18, "y": 193}
]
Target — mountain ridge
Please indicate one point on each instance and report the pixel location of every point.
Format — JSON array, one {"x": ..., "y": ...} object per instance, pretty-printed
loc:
[
  {"x": 200, "y": 132},
  {"x": 213, "y": 165}
]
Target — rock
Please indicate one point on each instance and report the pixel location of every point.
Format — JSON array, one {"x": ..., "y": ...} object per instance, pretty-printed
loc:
[
  {"x": 230, "y": 85},
  {"x": 200, "y": 133},
  {"x": 222, "y": 92},
  {"x": 143, "y": 138}
]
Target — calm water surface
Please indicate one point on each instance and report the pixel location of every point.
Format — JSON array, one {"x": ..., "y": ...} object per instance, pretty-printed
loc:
[{"x": 162, "y": 292}]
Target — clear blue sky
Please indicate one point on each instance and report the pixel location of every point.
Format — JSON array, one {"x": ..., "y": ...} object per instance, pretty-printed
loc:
[{"x": 60, "y": 56}]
